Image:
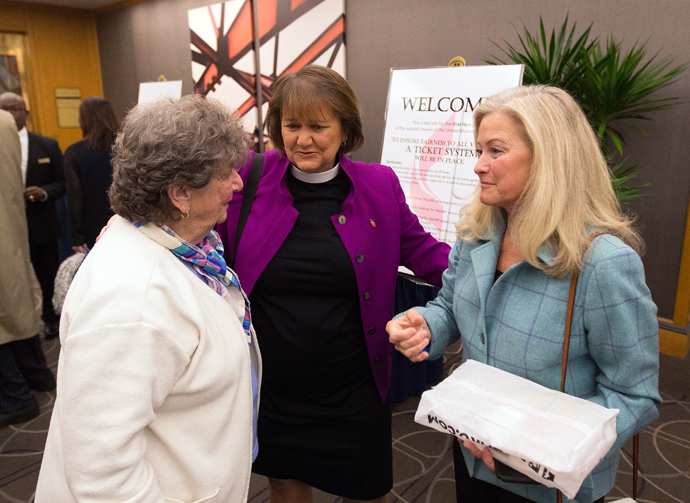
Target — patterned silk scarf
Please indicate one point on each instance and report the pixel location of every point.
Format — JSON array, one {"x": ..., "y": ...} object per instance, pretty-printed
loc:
[{"x": 206, "y": 258}]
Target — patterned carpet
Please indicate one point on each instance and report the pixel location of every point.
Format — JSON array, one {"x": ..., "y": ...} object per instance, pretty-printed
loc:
[
  {"x": 422, "y": 459},
  {"x": 21, "y": 446}
]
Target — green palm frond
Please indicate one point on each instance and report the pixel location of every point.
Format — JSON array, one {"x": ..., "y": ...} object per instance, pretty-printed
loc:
[
  {"x": 617, "y": 87},
  {"x": 553, "y": 60},
  {"x": 620, "y": 178}
]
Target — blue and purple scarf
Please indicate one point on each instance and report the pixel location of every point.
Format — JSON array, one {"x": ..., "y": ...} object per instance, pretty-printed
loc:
[{"x": 206, "y": 259}]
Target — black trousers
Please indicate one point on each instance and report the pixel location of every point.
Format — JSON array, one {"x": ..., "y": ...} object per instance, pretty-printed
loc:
[
  {"x": 46, "y": 260},
  {"x": 22, "y": 363},
  {"x": 471, "y": 490}
]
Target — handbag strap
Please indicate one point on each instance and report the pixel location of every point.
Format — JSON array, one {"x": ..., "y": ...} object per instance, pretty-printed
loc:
[
  {"x": 566, "y": 345},
  {"x": 248, "y": 198},
  {"x": 569, "y": 313}
]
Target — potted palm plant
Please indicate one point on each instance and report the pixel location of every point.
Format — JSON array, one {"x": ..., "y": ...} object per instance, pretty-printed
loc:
[{"x": 613, "y": 86}]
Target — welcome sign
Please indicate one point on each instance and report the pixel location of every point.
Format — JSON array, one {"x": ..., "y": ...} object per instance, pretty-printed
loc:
[{"x": 429, "y": 136}]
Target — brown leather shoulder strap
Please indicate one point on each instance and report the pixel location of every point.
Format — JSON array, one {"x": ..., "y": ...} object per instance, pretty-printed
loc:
[
  {"x": 569, "y": 313},
  {"x": 568, "y": 320},
  {"x": 566, "y": 344}
]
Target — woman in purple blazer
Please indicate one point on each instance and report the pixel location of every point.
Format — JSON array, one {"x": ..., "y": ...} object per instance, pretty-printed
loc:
[{"x": 319, "y": 258}]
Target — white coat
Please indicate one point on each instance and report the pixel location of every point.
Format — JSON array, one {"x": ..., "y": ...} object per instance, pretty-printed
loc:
[{"x": 154, "y": 394}]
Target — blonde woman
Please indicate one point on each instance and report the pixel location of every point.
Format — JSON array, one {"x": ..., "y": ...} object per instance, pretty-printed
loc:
[{"x": 543, "y": 188}]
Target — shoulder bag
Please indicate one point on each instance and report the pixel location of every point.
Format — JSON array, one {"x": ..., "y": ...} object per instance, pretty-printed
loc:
[{"x": 247, "y": 200}]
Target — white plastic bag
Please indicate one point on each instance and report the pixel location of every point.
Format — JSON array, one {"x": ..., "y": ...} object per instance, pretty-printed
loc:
[{"x": 553, "y": 438}]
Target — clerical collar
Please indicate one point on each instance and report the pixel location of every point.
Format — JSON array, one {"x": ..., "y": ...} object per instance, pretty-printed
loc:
[{"x": 323, "y": 177}]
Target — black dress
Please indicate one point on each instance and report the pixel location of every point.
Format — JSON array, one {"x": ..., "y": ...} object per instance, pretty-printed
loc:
[{"x": 321, "y": 418}]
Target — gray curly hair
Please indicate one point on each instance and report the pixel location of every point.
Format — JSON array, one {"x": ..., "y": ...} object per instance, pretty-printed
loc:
[{"x": 186, "y": 141}]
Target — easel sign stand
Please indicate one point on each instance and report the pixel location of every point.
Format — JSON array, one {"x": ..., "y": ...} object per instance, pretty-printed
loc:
[{"x": 153, "y": 91}]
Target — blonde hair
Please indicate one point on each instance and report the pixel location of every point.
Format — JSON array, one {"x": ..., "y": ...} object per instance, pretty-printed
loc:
[{"x": 568, "y": 193}]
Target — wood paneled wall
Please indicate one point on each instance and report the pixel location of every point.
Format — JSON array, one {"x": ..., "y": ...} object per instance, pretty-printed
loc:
[{"x": 61, "y": 52}]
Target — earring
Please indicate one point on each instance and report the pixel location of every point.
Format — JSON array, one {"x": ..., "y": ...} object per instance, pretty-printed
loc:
[
  {"x": 343, "y": 143},
  {"x": 185, "y": 215}
]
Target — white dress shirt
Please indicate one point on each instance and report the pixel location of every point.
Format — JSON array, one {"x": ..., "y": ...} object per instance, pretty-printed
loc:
[{"x": 24, "y": 140}]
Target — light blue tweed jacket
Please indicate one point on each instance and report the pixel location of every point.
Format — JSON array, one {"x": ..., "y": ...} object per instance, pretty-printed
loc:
[{"x": 517, "y": 325}]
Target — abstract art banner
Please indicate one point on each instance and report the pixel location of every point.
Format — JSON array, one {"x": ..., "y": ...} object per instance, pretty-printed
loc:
[
  {"x": 291, "y": 33},
  {"x": 429, "y": 136}
]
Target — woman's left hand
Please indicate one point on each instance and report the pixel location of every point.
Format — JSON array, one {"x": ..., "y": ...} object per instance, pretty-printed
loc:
[{"x": 483, "y": 454}]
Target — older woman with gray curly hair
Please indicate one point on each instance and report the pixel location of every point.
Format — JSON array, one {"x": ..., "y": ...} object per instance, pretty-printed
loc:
[{"x": 159, "y": 369}]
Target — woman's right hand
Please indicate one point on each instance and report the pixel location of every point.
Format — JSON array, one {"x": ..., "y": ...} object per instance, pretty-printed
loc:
[
  {"x": 484, "y": 454},
  {"x": 410, "y": 334}
]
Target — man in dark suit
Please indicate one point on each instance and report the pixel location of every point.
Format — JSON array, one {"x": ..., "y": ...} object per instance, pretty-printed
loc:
[{"x": 44, "y": 182}]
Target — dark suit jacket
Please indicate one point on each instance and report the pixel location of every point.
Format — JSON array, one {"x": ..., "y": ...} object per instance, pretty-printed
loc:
[
  {"x": 44, "y": 169},
  {"x": 89, "y": 175}
]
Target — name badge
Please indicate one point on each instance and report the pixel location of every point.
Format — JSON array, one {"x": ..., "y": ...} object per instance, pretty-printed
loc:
[{"x": 44, "y": 160}]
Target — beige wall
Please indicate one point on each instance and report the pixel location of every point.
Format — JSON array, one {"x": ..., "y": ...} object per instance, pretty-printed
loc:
[
  {"x": 144, "y": 41},
  {"x": 62, "y": 53}
]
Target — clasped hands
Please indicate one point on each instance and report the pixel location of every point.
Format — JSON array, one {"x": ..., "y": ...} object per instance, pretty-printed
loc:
[
  {"x": 34, "y": 193},
  {"x": 410, "y": 335}
]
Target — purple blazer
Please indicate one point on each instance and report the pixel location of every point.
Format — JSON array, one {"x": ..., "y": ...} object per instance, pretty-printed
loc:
[{"x": 375, "y": 225}]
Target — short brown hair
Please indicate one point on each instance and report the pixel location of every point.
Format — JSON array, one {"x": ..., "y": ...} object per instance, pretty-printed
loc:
[{"x": 307, "y": 93}]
